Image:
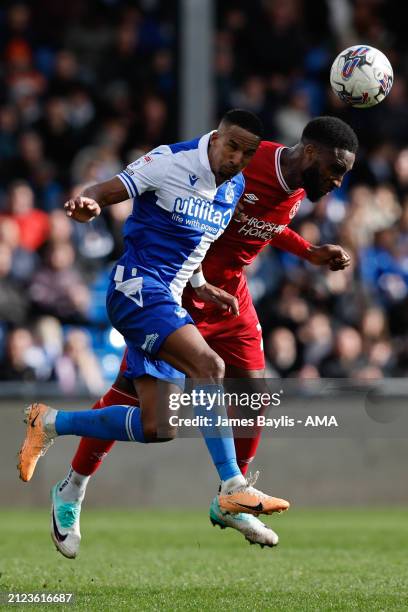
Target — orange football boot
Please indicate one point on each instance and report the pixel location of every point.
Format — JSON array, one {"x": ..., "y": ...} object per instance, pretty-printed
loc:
[
  {"x": 37, "y": 440},
  {"x": 248, "y": 500}
]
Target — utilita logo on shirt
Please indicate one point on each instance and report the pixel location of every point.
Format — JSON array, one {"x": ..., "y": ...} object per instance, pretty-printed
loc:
[
  {"x": 201, "y": 214},
  {"x": 258, "y": 228}
]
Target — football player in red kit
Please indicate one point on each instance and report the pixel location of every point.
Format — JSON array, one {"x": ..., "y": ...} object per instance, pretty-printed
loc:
[{"x": 277, "y": 179}]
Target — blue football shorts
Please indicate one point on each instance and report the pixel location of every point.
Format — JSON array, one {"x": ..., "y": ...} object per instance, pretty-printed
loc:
[{"x": 145, "y": 312}]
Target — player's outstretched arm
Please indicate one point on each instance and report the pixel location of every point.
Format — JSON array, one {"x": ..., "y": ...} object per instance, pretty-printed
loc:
[
  {"x": 90, "y": 202},
  {"x": 331, "y": 255}
]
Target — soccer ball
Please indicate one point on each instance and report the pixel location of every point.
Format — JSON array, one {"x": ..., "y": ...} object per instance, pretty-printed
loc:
[{"x": 361, "y": 76}]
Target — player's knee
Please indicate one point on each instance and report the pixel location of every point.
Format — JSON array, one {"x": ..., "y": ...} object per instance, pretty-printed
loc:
[
  {"x": 218, "y": 367},
  {"x": 152, "y": 433},
  {"x": 211, "y": 366}
]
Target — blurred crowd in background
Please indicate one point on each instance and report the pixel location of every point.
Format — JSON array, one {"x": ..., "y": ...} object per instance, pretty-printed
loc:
[{"x": 87, "y": 87}]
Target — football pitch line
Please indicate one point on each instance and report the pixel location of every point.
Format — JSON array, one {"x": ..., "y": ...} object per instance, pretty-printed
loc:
[{"x": 330, "y": 559}]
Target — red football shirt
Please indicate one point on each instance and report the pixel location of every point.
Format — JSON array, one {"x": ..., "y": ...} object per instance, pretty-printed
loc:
[{"x": 270, "y": 206}]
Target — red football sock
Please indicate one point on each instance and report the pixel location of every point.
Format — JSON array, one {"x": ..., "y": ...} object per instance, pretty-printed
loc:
[
  {"x": 92, "y": 451},
  {"x": 245, "y": 449}
]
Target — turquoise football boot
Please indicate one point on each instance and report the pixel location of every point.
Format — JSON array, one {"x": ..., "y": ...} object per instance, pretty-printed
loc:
[
  {"x": 250, "y": 526},
  {"x": 65, "y": 531}
]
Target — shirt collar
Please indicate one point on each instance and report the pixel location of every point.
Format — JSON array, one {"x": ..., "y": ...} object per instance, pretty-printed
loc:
[
  {"x": 279, "y": 173},
  {"x": 203, "y": 150}
]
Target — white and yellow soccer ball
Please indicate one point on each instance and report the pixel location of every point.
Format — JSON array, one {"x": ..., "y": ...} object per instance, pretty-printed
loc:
[{"x": 361, "y": 76}]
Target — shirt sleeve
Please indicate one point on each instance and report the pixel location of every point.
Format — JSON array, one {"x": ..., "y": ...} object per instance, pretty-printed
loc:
[
  {"x": 148, "y": 172},
  {"x": 292, "y": 242}
]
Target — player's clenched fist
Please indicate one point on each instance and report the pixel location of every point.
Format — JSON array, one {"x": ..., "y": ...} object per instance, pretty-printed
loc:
[
  {"x": 82, "y": 209},
  {"x": 331, "y": 255}
]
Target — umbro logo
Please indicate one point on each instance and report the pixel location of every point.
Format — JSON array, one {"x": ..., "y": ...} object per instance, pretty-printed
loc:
[
  {"x": 294, "y": 209},
  {"x": 250, "y": 198},
  {"x": 193, "y": 179}
]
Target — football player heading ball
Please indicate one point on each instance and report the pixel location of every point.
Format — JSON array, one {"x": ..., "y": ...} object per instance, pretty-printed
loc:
[{"x": 276, "y": 181}]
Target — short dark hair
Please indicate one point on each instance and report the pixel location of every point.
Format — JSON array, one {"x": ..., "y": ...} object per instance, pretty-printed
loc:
[
  {"x": 245, "y": 120},
  {"x": 331, "y": 132}
]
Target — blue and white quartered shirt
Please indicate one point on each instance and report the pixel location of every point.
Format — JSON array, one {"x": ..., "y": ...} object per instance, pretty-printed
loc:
[{"x": 178, "y": 211}]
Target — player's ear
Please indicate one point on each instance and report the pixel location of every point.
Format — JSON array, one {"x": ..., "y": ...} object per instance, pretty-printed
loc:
[
  {"x": 310, "y": 151},
  {"x": 214, "y": 137}
]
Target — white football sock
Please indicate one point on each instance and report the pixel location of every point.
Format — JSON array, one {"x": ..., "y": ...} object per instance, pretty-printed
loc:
[
  {"x": 49, "y": 422},
  {"x": 73, "y": 487},
  {"x": 227, "y": 486}
]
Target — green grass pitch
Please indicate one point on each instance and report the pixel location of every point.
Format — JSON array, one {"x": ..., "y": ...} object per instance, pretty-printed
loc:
[{"x": 168, "y": 560}]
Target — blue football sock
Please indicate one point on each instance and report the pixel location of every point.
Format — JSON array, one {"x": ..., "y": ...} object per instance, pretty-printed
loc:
[
  {"x": 219, "y": 439},
  {"x": 111, "y": 423}
]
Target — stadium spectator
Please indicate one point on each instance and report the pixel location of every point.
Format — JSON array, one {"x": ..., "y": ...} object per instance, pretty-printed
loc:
[
  {"x": 14, "y": 307},
  {"x": 346, "y": 357},
  {"x": 19, "y": 360},
  {"x": 8, "y": 134},
  {"x": 30, "y": 157},
  {"x": 98, "y": 88},
  {"x": 77, "y": 367},
  {"x": 316, "y": 337},
  {"x": 23, "y": 262},
  {"x": 58, "y": 288},
  {"x": 65, "y": 78},
  {"x": 281, "y": 351},
  {"x": 33, "y": 224},
  {"x": 50, "y": 337}
]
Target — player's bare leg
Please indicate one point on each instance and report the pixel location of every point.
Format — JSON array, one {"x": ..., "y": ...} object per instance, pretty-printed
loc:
[
  {"x": 91, "y": 452},
  {"x": 89, "y": 456},
  {"x": 254, "y": 530},
  {"x": 66, "y": 498},
  {"x": 186, "y": 350},
  {"x": 43, "y": 427},
  {"x": 67, "y": 495}
]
